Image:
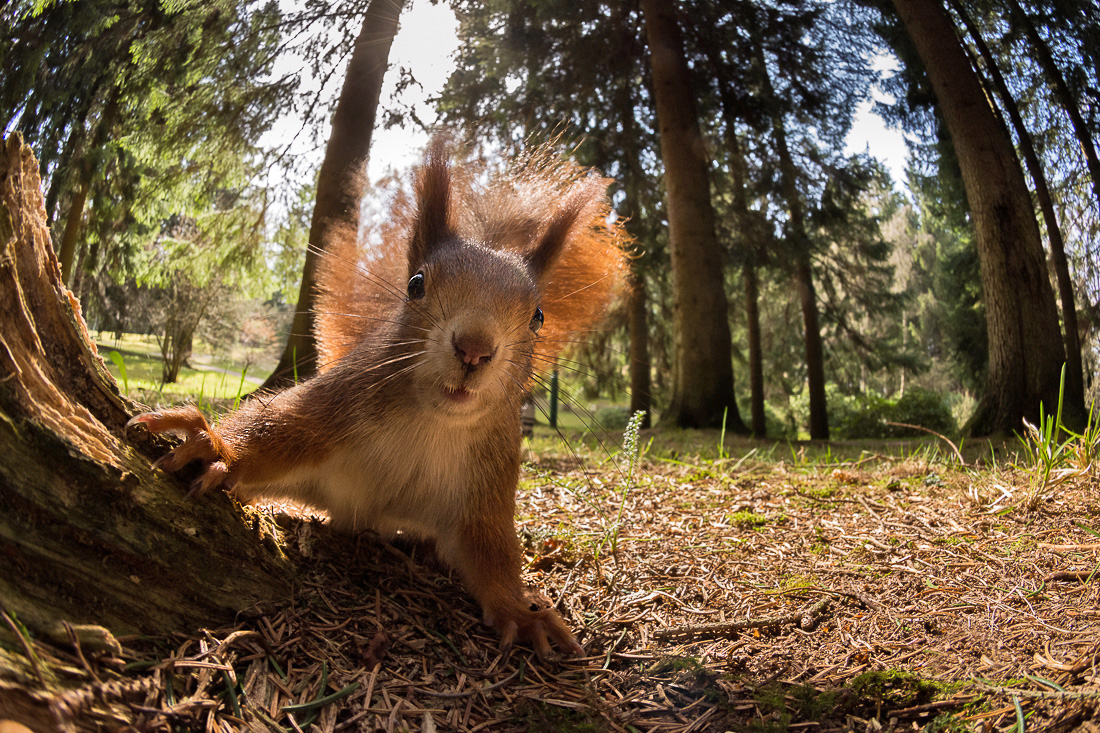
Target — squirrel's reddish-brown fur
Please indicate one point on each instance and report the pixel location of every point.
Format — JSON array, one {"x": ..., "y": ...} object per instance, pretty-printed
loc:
[
  {"x": 428, "y": 347},
  {"x": 509, "y": 212}
]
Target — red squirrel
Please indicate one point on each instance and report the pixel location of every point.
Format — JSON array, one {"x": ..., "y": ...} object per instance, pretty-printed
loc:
[{"x": 413, "y": 423}]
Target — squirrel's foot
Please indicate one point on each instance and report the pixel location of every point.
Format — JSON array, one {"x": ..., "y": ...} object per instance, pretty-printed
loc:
[
  {"x": 537, "y": 624},
  {"x": 201, "y": 443}
]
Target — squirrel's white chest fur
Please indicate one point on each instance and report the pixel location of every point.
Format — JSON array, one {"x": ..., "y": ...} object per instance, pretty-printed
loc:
[{"x": 406, "y": 475}]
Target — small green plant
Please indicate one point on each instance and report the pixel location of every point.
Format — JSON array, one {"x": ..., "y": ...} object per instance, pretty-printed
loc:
[
  {"x": 631, "y": 451},
  {"x": 747, "y": 519},
  {"x": 722, "y": 437},
  {"x": 117, "y": 359},
  {"x": 1086, "y": 444},
  {"x": 897, "y": 688},
  {"x": 240, "y": 388},
  {"x": 1045, "y": 449}
]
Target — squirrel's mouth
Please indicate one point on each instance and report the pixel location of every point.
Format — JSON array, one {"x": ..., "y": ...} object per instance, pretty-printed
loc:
[{"x": 458, "y": 395}]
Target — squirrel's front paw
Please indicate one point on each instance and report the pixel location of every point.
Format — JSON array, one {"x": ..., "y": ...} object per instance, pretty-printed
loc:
[
  {"x": 537, "y": 624},
  {"x": 201, "y": 443}
]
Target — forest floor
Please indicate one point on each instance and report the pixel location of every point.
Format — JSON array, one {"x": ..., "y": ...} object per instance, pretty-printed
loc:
[{"x": 857, "y": 587}]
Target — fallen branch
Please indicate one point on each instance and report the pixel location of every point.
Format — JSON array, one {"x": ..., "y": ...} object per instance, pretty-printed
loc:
[
  {"x": 926, "y": 708},
  {"x": 1082, "y": 575},
  {"x": 944, "y": 438},
  {"x": 807, "y": 620}
]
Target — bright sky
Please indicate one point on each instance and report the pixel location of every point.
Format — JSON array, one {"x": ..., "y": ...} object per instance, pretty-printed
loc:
[
  {"x": 426, "y": 44},
  {"x": 869, "y": 133}
]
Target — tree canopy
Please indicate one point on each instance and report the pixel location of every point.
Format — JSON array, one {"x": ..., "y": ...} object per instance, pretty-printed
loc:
[{"x": 838, "y": 284}]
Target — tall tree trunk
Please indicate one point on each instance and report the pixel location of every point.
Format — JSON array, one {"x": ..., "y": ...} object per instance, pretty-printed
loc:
[
  {"x": 90, "y": 533},
  {"x": 640, "y": 382},
  {"x": 73, "y": 221},
  {"x": 75, "y": 218},
  {"x": 340, "y": 181},
  {"x": 1075, "y": 385},
  {"x": 756, "y": 359},
  {"x": 702, "y": 390},
  {"x": 746, "y": 246},
  {"x": 1061, "y": 91},
  {"x": 631, "y": 178},
  {"x": 815, "y": 350},
  {"x": 803, "y": 271},
  {"x": 749, "y": 249},
  {"x": 1025, "y": 347}
]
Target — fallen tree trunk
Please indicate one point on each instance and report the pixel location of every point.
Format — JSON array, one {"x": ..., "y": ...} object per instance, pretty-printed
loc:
[{"x": 90, "y": 534}]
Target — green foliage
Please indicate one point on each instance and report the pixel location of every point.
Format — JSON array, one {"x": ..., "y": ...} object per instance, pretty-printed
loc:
[
  {"x": 614, "y": 417},
  {"x": 1054, "y": 451},
  {"x": 867, "y": 416},
  {"x": 157, "y": 108},
  {"x": 121, "y": 366},
  {"x": 214, "y": 381}
]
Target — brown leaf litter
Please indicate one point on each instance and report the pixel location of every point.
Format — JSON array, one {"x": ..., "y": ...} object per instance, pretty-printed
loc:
[{"x": 875, "y": 594}]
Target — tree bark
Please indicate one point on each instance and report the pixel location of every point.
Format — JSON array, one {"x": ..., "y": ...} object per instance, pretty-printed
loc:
[
  {"x": 90, "y": 533},
  {"x": 815, "y": 350},
  {"x": 631, "y": 179},
  {"x": 803, "y": 271},
  {"x": 749, "y": 248},
  {"x": 1061, "y": 91},
  {"x": 1025, "y": 346},
  {"x": 1075, "y": 384},
  {"x": 640, "y": 383},
  {"x": 73, "y": 221},
  {"x": 340, "y": 180},
  {"x": 756, "y": 359},
  {"x": 702, "y": 389}
]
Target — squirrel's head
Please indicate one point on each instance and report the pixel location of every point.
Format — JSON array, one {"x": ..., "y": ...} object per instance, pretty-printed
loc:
[{"x": 476, "y": 306}]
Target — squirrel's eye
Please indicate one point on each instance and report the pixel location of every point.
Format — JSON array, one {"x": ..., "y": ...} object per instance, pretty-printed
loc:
[
  {"x": 536, "y": 320},
  {"x": 416, "y": 286}
]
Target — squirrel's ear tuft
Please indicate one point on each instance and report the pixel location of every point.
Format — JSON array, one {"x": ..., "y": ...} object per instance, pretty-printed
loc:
[
  {"x": 574, "y": 211},
  {"x": 432, "y": 224}
]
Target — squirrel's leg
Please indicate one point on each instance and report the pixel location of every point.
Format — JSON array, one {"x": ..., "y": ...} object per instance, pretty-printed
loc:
[
  {"x": 201, "y": 442},
  {"x": 486, "y": 553}
]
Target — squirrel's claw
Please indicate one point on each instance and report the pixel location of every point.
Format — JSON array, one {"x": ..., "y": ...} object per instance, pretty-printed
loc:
[
  {"x": 201, "y": 443},
  {"x": 164, "y": 460},
  {"x": 541, "y": 627},
  {"x": 144, "y": 418},
  {"x": 215, "y": 474},
  {"x": 538, "y": 638},
  {"x": 508, "y": 636}
]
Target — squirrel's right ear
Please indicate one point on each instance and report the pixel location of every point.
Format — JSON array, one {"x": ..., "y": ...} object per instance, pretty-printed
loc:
[
  {"x": 433, "y": 205},
  {"x": 572, "y": 213}
]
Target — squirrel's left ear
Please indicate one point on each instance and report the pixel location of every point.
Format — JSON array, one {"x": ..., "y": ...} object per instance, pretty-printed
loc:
[
  {"x": 433, "y": 206},
  {"x": 573, "y": 212}
]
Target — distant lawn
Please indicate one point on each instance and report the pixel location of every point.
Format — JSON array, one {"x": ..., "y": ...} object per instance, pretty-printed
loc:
[{"x": 208, "y": 379}]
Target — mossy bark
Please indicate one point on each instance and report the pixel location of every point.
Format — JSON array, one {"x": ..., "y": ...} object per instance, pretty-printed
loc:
[{"x": 90, "y": 533}]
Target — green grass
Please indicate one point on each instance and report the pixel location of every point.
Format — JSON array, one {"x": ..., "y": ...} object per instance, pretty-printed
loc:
[
  {"x": 139, "y": 357},
  {"x": 567, "y": 419}
]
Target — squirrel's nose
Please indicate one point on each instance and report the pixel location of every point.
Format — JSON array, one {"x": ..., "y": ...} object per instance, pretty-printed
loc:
[{"x": 473, "y": 349}]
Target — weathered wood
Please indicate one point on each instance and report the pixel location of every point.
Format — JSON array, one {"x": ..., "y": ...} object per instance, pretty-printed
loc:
[{"x": 90, "y": 533}]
